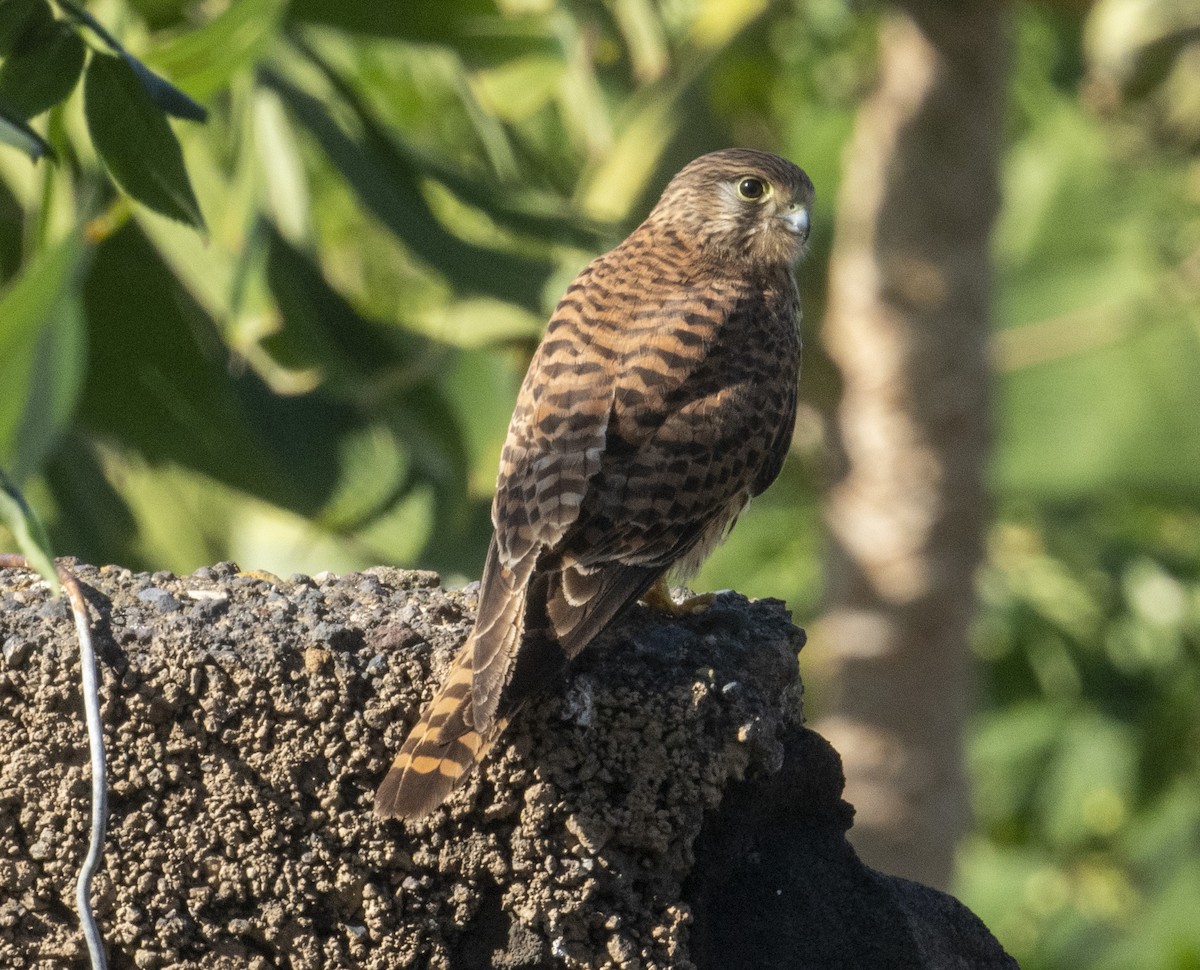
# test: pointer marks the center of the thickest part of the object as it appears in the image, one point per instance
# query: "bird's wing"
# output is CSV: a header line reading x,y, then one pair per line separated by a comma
x,y
781,441
555,440
644,424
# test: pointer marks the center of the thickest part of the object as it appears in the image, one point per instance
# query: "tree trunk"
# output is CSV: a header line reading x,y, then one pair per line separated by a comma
x,y
907,327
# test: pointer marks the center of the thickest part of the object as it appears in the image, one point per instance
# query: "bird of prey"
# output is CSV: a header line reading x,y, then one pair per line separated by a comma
x,y
661,400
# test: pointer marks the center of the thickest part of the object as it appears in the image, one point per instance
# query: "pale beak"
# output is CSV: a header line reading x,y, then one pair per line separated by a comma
x,y
796,219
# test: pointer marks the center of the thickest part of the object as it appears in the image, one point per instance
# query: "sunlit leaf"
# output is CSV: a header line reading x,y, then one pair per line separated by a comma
x,y
514,207
375,469
205,60
56,380
27,529
385,370
474,28
388,185
517,89
717,21
40,323
613,184
133,137
642,29
288,196
322,331
160,383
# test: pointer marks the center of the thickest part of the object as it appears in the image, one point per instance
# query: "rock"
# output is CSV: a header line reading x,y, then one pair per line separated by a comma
x,y
15,650
644,814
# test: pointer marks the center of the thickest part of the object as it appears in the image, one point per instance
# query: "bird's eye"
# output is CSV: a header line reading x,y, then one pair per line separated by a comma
x,y
751,189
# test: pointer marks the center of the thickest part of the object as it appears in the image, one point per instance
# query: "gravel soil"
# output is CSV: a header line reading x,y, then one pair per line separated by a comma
x,y
248,720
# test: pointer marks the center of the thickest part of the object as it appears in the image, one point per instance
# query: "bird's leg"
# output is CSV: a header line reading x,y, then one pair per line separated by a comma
x,y
658,597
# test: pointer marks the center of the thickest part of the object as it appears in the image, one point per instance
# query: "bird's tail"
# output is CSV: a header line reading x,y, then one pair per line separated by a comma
x,y
440,750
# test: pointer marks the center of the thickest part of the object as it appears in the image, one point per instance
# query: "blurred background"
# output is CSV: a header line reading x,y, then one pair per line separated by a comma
x,y
300,347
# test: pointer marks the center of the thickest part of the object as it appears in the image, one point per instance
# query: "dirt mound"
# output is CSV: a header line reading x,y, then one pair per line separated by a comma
x,y
249,719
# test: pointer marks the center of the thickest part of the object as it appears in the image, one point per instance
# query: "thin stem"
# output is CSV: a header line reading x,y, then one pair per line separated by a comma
x,y
95,728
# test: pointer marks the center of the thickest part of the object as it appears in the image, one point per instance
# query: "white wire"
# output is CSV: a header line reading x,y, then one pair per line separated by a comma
x,y
95,729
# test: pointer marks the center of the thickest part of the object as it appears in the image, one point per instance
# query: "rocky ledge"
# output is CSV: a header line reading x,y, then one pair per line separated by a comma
x,y
664,809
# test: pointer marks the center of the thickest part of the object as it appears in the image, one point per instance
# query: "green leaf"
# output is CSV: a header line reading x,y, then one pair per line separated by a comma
x,y
1087,788
15,132
161,91
1099,347
161,14
384,371
27,529
322,331
288,193
133,137
18,16
160,383
474,28
204,61
92,518
56,380
521,210
42,69
415,21
389,185
40,356
530,213
1123,416
12,234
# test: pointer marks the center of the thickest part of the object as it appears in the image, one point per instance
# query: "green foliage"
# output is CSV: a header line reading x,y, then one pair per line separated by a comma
x,y
133,137
393,203
1086,757
41,59
1100,313
41,350
15,132
42,65
27,529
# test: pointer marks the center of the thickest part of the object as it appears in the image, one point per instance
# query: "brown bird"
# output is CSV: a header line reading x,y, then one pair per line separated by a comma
x,y
660,401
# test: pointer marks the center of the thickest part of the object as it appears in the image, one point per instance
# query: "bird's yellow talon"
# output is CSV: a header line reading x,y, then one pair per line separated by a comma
x,y
696,604
658,597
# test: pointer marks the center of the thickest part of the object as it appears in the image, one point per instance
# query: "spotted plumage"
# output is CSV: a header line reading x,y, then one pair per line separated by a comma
x,y
660,401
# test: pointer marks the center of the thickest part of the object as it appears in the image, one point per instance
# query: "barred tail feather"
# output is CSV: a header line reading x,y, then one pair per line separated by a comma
x,y
440,750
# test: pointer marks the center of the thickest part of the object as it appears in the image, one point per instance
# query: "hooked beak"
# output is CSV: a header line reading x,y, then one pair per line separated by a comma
x,y
796,219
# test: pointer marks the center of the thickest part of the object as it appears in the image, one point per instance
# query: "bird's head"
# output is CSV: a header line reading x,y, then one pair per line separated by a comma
x,y
740,205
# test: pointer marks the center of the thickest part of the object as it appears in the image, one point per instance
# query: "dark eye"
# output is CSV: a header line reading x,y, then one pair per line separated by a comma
x,y
751,189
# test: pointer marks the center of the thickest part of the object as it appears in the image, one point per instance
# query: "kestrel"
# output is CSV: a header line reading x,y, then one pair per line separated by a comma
x,y
660,401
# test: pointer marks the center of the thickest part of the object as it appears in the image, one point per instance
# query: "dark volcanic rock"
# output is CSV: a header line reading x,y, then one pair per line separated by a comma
x,y
620,823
